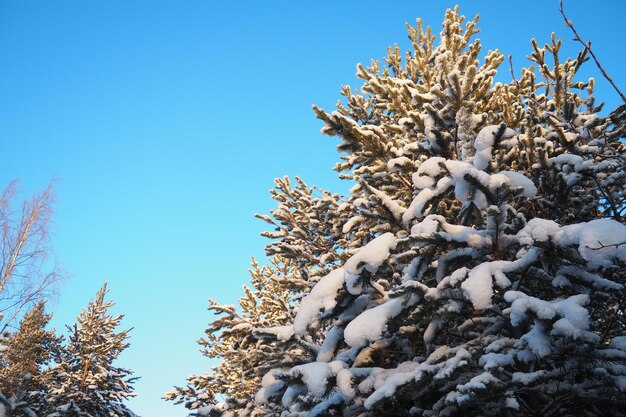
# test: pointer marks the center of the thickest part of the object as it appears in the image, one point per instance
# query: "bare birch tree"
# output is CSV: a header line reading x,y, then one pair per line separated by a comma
x,y
27,274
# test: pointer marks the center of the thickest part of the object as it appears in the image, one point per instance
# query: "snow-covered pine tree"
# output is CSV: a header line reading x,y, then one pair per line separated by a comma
x,y
478,265
490,279
257,336
85,381
26,351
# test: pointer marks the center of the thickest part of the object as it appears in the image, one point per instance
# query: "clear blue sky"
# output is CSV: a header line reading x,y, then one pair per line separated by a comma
x,y
166,122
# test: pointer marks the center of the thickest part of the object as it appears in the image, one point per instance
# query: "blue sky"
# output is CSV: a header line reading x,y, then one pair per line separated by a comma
x,y
164,124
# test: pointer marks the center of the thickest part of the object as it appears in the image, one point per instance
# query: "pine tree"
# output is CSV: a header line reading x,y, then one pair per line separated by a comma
x,y
27,351
85,382
490,281
479,269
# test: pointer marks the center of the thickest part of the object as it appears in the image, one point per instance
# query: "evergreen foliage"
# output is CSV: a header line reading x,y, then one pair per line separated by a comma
x,y
42,374
230,337
27,351
476,268
85,381
18,404
258,336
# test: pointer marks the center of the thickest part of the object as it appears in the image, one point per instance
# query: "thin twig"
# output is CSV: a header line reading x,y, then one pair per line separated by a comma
x,y
587,46
515,82
602,246
607,197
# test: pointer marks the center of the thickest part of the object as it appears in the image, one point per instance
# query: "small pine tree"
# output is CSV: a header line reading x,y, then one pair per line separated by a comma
x,y
27,351
85,381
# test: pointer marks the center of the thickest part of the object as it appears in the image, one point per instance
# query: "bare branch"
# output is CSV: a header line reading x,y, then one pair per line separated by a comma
x,y
515,82
602,246
587,46
26,274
